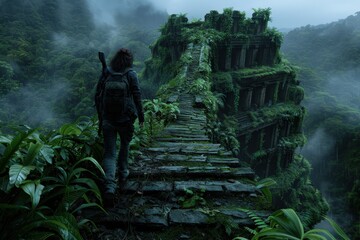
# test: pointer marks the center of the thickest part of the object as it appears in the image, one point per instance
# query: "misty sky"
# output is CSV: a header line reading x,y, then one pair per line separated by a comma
x,y
285,13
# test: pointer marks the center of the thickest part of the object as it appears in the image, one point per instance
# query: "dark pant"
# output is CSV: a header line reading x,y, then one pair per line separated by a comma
x,y
110,131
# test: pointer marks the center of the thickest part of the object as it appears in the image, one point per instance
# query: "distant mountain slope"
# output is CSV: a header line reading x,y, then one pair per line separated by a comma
x,y
48,56
329,59
329,47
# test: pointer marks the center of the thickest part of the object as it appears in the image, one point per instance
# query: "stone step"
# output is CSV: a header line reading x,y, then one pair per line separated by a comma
x,y
191,119
208,187
182,139
201,159
229,161
193,172
165,216
173,98
190,150
186,128
177,158
216,146
192,111
183,135
191,123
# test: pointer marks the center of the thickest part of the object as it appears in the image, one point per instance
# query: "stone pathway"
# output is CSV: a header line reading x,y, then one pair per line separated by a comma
x,y
183,158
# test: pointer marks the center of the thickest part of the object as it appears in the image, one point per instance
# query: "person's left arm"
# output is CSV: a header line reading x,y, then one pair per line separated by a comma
x,y
136,93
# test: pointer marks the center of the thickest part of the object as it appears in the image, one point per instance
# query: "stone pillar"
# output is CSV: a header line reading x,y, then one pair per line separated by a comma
x,y
236,22
288,129
265,54
272,53
275,97
256,95
243,57
248,60
283,91
276,134
236,52
269,97
254,56
228,58
262,96
248,98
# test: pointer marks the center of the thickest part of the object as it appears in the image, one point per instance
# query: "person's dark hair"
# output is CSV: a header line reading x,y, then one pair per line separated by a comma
x,y
122,59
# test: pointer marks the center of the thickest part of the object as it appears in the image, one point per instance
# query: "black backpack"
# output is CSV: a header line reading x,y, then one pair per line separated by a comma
x,y
116,95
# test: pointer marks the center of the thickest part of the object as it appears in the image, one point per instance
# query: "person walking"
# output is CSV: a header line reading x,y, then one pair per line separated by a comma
x,y
118,100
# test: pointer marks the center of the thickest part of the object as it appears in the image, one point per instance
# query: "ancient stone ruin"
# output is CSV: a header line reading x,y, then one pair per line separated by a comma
x,y
187,185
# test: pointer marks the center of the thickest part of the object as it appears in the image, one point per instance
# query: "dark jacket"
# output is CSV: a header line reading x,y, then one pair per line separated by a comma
x,y
135,95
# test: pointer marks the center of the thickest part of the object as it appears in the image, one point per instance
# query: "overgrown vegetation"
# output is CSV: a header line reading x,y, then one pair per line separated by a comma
x,y
285,224
47,180
48,60
331,88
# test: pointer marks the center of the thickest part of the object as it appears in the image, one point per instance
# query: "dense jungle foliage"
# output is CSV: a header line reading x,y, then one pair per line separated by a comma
x,y
328,57
48,70
48,57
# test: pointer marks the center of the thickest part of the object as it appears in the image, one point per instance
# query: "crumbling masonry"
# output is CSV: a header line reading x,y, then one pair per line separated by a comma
x,y
239,58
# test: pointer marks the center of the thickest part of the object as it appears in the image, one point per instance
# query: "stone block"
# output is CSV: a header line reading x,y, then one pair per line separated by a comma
x,y
208,186
132,186
157,186
173,98
234,162
187,216
199,102
152,217
172,169
238,187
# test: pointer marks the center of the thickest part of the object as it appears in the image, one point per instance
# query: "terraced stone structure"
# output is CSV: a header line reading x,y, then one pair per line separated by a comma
x,y
186,185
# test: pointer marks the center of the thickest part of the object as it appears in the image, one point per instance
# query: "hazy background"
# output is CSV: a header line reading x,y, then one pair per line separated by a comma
x,y
285,13
49,66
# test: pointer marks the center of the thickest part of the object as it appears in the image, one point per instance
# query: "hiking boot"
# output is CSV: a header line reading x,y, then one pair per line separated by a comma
x,y
108,199
122,183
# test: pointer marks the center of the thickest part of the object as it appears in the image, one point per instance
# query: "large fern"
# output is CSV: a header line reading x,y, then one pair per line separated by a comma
x,y
285,224
46,178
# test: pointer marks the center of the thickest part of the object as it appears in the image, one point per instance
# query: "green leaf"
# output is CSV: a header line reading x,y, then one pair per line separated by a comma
x,y
48,153
274,233
70,129
337,228
4,184
64,154
11,206
4,139
40,235
71,230
70,196
313,235
88,205
18,173
93,161
289,221
90,184
266,182
33,151
65,226
191,202
13,147
34,190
